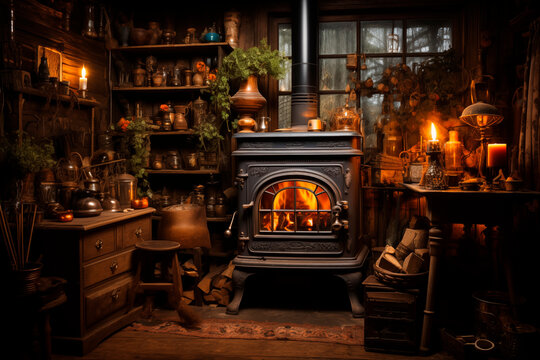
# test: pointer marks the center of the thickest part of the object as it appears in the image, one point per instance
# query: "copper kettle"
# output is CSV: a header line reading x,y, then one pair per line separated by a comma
x,y
186,224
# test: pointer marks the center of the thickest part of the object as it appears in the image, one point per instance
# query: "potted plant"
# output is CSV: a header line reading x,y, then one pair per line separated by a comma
x,y
209,141
246,66
23,159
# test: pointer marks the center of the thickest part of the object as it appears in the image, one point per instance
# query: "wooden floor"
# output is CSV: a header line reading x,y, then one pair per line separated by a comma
x,y
125,345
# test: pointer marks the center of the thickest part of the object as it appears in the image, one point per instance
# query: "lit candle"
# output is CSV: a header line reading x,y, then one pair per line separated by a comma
x,y
433,144
496,155
83,81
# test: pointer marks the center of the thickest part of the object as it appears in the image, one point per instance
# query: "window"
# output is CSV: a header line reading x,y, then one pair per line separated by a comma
x,y
378,44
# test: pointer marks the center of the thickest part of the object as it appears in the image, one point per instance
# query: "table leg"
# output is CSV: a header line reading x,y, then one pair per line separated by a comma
x,y
435,249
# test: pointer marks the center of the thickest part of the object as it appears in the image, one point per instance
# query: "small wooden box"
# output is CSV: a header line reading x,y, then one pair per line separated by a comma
x,y
393,317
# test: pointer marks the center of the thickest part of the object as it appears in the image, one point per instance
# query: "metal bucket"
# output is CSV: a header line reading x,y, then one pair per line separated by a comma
x,y
492,314
25,281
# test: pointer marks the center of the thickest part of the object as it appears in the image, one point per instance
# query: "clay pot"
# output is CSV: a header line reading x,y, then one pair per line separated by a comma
x,y
186,224
157,79
247,102
155,32
198,79
139,76
139,36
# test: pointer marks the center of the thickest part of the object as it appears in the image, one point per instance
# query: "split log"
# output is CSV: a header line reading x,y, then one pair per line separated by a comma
x,y
412,264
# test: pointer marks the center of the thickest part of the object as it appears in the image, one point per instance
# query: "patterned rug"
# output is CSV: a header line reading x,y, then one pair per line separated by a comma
x,y
257,330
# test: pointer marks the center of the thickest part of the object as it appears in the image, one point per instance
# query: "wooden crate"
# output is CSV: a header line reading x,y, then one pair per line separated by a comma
x,y
393,317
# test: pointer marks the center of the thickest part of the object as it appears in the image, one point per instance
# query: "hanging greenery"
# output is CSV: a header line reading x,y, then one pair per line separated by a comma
x,y
137,139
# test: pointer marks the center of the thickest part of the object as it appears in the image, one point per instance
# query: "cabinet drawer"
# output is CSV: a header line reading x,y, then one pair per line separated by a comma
x,y
104,269
107,299
99,242
136,231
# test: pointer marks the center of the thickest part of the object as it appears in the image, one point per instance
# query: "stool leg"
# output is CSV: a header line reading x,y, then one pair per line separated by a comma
x,y
177,280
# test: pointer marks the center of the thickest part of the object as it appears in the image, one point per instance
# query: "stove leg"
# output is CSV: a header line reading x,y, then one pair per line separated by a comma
x,y
352,280
239,280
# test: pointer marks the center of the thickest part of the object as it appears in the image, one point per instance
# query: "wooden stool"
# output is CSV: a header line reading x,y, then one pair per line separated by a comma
x,y
164,253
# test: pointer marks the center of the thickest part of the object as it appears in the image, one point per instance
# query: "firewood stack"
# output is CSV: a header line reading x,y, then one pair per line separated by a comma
x,y
411,255
216,286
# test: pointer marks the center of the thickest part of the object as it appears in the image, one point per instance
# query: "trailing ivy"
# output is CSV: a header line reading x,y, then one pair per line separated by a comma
x,y
136,132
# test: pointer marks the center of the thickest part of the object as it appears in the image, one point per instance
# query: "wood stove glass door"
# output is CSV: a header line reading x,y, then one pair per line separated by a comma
x,y
298,206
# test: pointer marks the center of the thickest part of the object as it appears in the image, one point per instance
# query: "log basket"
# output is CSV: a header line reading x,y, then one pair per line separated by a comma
x,y
404,281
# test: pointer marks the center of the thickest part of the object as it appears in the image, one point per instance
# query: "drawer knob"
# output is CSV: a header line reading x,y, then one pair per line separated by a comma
x,y
138,232
99,244
115,294
114,266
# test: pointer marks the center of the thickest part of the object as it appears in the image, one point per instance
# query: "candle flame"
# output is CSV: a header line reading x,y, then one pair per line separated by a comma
x,y
433,132
83,72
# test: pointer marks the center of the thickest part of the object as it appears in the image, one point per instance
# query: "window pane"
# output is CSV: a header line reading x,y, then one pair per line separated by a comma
x,y
376,67
375,36
285,39
337,38
284,120
328,103
428,36
285,84
415,61
371,109
333,74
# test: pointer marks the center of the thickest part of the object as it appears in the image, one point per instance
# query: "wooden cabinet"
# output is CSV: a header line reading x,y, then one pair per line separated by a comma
x,y
95,255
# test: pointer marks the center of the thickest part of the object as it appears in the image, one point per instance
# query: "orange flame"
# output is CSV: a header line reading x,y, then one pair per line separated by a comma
x,y
433,132
83,72
294,196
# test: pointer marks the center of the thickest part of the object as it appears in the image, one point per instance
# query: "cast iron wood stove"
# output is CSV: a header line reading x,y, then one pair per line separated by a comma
x,y
299,207
299,192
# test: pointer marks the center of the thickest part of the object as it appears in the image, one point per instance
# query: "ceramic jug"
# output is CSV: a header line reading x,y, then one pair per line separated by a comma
x,y
180,120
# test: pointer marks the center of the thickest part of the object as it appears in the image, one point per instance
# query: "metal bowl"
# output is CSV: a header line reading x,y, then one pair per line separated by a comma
x,y
87,206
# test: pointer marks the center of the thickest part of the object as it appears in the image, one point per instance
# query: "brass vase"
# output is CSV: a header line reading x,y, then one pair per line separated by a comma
x,y
247,102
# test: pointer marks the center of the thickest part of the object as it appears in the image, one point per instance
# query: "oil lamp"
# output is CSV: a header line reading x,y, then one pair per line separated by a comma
x,y
481,116
434,177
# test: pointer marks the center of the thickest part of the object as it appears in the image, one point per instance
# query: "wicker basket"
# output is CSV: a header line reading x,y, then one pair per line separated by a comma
x,y
404,281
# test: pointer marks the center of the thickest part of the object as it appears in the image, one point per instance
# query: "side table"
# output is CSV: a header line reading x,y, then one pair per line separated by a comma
x,y
454,206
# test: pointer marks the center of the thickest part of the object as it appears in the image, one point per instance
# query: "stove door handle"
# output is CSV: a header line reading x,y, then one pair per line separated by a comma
x,y
248,206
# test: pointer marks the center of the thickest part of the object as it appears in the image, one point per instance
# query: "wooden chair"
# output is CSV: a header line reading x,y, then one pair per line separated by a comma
x,y
161,252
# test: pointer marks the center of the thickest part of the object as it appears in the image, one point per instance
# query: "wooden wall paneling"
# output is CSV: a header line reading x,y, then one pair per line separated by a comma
x,y
37,24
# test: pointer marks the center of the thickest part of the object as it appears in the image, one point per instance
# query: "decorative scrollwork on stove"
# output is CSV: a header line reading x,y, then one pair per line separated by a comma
x,y
258,171
295,246
333,171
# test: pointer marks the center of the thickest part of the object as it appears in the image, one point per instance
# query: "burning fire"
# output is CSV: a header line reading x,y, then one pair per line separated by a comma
x,y
433,132
295,207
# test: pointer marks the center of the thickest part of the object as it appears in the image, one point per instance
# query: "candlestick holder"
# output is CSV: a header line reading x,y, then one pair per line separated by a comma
x,y
434,177
83,93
